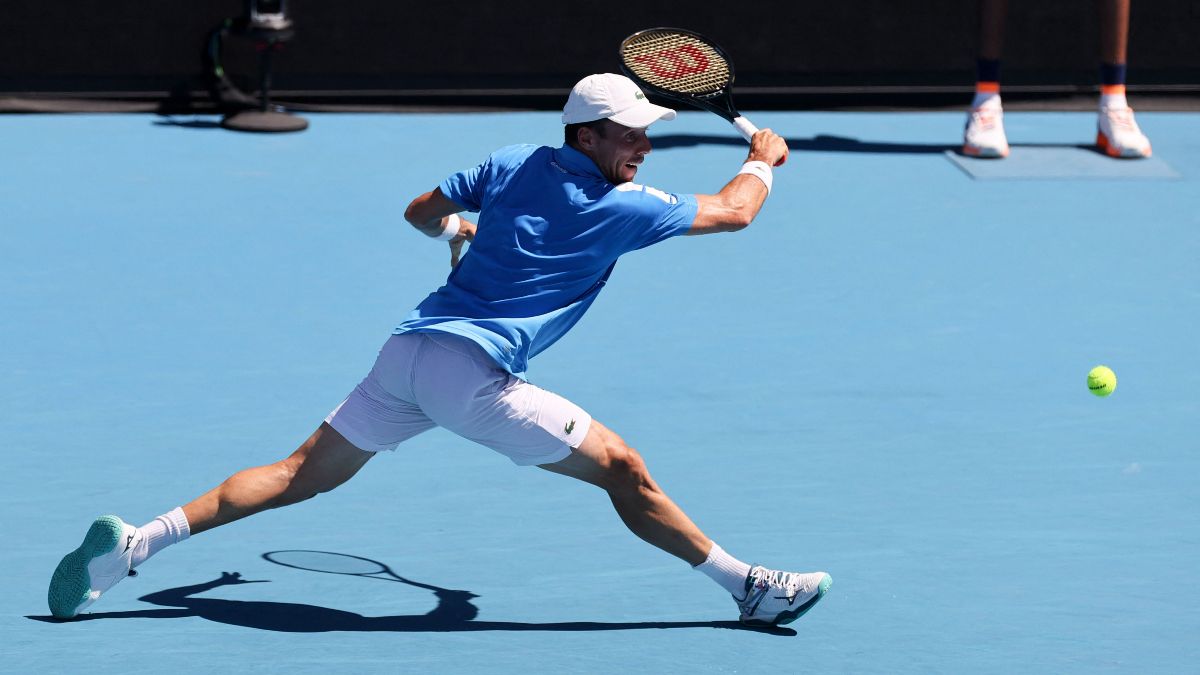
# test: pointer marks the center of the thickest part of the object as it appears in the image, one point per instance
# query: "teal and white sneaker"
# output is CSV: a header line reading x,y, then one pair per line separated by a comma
x,y
774,598
97,565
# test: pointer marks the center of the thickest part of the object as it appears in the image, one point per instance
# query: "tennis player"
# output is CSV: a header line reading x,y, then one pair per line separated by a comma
x,y
552,223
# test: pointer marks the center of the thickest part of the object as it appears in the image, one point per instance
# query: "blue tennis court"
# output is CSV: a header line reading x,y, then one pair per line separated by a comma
x,y
883,378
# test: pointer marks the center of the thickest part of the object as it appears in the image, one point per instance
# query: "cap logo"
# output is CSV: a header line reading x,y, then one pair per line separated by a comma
x,y
613,97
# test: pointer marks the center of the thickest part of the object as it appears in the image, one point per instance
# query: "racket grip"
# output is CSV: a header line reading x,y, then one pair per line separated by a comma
x,y
745,126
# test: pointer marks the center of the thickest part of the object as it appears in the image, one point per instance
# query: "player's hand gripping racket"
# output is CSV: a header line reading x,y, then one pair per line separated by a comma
x,y
686,67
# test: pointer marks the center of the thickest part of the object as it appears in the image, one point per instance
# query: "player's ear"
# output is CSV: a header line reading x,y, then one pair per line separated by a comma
x,y
585,138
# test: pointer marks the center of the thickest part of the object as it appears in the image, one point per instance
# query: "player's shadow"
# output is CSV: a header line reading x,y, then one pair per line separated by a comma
x,y
454,613
829,143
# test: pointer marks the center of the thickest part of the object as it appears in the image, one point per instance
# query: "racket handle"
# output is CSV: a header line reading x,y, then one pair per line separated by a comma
x,y
745,126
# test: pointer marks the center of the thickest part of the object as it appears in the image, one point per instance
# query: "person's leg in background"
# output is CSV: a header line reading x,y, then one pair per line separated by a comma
x,y
1117,133
984,133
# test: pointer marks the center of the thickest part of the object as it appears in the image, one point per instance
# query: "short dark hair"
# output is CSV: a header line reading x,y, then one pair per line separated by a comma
x,y
571,132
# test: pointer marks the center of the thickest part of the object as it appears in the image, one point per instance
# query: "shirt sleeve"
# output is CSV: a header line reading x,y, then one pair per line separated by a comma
x,y
472,187
465,188
656,215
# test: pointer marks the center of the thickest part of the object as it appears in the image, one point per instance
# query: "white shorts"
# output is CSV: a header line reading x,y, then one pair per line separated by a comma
x,y
423,380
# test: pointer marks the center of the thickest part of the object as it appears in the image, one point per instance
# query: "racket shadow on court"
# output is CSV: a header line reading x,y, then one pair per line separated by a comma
x,y
454,612
830,143
819,143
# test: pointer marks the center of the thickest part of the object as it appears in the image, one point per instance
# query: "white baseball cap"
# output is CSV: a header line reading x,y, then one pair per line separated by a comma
x,y
614,97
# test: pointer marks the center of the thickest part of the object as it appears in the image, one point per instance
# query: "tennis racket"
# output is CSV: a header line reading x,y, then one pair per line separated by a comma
x,y
685,67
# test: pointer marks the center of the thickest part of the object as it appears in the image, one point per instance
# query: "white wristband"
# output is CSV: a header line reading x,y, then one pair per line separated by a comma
x,y
452,224
760,170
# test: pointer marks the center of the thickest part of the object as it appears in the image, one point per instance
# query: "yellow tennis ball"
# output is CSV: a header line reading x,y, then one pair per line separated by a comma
x,y
1102,381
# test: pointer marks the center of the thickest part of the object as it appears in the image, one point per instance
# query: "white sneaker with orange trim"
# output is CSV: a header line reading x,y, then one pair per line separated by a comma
x,y
1118,134
984,133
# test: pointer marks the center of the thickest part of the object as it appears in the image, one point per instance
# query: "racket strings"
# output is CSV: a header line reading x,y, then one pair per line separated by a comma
x,y
676,62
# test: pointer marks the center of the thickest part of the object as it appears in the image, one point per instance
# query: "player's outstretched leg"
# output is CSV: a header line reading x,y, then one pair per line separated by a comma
x,y
764,597
323,462
112,548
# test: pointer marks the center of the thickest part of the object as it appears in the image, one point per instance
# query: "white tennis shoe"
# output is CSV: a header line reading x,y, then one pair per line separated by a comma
x,y
984,133
774,598
1118,134
102,560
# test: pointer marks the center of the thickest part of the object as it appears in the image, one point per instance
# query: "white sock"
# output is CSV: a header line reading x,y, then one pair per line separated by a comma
x,y
726,570
169,528
1113,101
989,99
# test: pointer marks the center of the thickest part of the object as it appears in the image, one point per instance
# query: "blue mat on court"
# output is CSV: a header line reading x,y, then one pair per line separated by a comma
x,y
1061,162
883,377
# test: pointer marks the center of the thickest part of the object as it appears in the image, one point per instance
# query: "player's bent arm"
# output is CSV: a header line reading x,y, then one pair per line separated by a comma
x,y
732,208
430,212
740,200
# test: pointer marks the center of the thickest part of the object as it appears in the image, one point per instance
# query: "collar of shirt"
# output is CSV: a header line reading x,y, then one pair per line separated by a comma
x,y
575,162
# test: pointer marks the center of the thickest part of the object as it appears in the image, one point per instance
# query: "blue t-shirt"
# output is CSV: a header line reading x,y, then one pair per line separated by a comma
x,y
550,230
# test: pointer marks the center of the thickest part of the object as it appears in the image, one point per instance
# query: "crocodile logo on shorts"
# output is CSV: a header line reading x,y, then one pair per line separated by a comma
x,y
570,427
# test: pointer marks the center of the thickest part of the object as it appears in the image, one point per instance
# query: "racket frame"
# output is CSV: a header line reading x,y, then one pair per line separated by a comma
x,y
719,102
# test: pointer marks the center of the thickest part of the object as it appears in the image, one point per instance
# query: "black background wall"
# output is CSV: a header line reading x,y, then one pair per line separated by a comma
x,y
473,50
